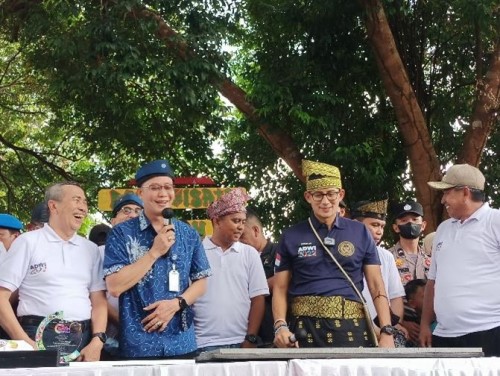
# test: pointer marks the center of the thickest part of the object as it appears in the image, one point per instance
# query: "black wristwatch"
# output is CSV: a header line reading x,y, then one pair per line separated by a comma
x,y
101,335
388,329
182,302
252,338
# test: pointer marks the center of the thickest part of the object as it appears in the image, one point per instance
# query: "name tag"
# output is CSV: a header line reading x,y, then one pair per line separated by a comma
x,y
173,280
329,241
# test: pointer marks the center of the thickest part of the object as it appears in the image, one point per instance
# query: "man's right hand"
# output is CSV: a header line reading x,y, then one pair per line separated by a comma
x,y
282,339
163,241
425,336
413,330
32,343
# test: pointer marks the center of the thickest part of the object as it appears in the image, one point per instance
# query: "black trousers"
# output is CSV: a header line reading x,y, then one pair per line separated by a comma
x,y
30,326
488,340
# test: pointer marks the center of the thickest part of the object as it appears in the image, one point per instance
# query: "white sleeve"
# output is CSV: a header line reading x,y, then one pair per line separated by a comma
x,y
15,264
97,283
257,282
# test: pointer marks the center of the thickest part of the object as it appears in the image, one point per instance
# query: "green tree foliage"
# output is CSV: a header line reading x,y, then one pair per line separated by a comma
x,y
112,93
309,69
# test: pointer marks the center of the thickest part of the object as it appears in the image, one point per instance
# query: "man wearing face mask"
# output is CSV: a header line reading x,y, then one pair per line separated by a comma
x,y
411,260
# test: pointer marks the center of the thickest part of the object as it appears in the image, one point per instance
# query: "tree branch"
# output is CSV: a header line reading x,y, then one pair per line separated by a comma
x,y
281,142
37,156
485,113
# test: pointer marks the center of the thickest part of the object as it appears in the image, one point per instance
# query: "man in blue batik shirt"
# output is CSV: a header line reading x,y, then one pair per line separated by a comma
x,y
158,270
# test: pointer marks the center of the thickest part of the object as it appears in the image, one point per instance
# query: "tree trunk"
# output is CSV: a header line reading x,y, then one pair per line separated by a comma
x,y
281,142
485,113
424,163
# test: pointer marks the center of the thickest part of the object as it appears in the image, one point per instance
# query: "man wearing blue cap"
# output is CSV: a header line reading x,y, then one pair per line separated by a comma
x,y
126,207
158,267
10,229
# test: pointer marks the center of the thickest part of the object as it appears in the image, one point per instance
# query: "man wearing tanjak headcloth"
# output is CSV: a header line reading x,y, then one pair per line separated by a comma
x,y
325,307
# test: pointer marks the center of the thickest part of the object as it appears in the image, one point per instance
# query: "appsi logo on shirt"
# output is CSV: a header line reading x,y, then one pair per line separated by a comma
x,y
438,246
38,268
306,250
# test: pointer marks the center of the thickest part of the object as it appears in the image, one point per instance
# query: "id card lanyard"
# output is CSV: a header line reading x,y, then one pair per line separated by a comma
x,y
173,280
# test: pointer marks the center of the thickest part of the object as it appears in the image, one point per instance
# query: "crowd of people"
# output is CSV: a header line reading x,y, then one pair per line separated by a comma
x,y
149,287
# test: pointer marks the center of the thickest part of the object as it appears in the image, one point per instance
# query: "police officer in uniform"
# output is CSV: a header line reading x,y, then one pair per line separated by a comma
x,y
411,260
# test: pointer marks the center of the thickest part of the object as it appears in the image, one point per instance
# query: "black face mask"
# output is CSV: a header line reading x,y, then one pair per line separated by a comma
x,y
410,230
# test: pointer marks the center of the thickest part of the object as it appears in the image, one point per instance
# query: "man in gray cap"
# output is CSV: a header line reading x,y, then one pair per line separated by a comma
x,y
462,290
158,267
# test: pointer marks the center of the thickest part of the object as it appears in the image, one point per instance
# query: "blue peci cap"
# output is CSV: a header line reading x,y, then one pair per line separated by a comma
x,y
125,199
150,170
10,222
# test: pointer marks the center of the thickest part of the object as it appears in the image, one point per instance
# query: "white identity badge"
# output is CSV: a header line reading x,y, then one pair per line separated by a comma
x,y
329,241
173,280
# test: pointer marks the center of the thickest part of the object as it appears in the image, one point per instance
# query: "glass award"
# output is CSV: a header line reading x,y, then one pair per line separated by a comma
x,y
55,333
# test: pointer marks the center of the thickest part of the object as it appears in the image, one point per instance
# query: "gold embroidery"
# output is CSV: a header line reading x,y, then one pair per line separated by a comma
x,y
346,249
323,175
331,307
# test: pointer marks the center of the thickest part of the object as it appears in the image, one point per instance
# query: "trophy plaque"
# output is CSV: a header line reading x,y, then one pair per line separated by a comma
x,y
55,333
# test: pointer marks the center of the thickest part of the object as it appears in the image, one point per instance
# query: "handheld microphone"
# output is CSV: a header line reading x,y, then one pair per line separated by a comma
x,y
167,213
299,335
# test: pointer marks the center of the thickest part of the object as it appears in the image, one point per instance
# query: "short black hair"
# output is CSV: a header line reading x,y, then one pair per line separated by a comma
x,y
251,213
477,195
412,286
99,233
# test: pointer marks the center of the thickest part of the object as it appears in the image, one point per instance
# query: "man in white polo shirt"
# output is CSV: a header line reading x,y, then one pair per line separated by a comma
x,y
462,288
373,215
231,311
56,270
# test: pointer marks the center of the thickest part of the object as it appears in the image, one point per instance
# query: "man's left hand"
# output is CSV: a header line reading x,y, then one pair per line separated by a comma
x,y
91,352
402,329
386,341
162,312
248,345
